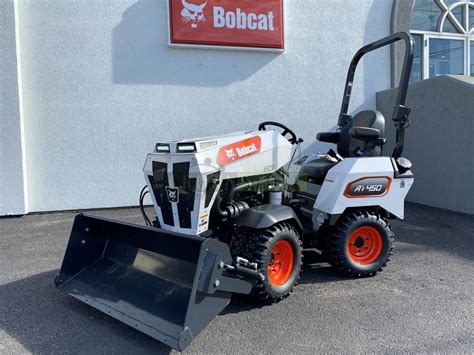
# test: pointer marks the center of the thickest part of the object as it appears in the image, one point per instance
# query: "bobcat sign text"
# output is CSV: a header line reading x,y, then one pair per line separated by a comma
x,y
227,23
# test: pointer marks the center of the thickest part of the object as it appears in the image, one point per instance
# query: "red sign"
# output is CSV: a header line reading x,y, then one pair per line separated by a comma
x,y
239,150
239,23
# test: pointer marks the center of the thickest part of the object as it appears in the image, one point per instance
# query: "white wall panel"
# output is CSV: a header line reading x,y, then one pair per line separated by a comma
x,y
101,86
12,186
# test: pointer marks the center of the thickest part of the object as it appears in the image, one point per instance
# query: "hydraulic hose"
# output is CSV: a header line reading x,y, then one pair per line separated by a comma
x,y
232,210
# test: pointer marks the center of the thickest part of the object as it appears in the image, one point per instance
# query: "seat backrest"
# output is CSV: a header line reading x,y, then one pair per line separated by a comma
x,y
349,146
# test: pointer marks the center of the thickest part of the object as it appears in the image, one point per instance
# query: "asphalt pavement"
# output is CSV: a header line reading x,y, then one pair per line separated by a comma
x,y
422,302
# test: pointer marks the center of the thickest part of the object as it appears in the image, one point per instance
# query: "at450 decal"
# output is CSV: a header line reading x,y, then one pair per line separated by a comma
x,y
376,186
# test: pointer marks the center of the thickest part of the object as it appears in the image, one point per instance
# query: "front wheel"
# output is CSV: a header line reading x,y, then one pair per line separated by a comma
x,y
361,244
278,253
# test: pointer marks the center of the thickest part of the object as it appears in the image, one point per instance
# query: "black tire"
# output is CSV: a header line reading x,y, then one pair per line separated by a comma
x,y
256,246
350,259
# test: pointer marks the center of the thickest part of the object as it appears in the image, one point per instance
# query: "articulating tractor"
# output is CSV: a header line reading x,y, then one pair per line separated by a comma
x,y
233,214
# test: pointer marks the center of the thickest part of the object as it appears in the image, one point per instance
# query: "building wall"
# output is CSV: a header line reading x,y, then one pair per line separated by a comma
x,y
439,140
12,187
101,87
400,22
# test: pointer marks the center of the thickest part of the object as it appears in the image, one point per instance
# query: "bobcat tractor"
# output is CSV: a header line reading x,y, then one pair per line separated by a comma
x,y
233,214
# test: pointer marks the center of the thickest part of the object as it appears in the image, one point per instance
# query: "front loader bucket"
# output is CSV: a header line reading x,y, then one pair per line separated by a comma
x,y
167,285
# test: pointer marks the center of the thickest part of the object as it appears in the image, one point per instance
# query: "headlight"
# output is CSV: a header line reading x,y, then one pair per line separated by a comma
x,y
186,147
162,148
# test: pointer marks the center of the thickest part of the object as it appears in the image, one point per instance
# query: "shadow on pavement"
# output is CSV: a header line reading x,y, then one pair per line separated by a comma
x,y
436,229
43,320
315,270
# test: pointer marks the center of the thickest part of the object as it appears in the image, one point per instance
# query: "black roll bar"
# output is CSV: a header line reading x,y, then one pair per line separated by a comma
x,y
400,112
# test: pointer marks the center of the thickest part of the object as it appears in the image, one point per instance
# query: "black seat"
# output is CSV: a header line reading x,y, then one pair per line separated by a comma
x,y
350,145
362,136
315,171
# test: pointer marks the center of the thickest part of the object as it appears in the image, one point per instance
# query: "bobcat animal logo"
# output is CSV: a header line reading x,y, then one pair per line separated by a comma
x,y
172,193
229,153
193,13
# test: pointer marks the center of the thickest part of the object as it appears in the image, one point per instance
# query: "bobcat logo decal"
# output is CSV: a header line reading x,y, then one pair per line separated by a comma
x,y
229,153
193,13
239,150
173,194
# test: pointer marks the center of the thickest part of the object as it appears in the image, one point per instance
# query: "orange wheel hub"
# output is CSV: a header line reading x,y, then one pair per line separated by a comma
x,y
364,245
281,263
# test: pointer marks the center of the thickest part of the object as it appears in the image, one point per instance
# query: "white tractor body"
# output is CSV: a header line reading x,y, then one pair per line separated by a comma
x,y
185,176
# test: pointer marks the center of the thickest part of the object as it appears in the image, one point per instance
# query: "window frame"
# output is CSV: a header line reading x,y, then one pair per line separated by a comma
x,y
466,36
425,49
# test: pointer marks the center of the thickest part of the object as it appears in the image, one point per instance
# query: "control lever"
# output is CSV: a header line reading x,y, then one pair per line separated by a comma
x,y
334,155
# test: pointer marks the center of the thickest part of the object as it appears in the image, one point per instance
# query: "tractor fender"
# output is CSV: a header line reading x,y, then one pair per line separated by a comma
x,y
264,216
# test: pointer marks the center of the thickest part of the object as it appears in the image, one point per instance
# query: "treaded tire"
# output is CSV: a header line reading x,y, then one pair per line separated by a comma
x,y
256,246
344,259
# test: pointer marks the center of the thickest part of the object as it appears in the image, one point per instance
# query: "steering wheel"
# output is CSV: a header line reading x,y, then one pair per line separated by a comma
x,y
293,139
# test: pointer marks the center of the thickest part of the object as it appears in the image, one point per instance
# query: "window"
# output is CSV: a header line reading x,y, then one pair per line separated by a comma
x,y
417,69
444,35
425,16
446,57
472,58
471,18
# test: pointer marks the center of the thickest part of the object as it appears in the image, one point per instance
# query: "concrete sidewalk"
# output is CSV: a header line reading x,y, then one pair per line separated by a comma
x,y
422,302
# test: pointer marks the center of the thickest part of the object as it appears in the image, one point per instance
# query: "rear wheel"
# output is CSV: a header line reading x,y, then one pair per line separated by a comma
x,y
278,253
361,244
